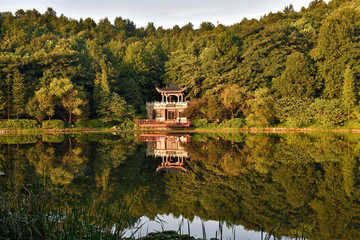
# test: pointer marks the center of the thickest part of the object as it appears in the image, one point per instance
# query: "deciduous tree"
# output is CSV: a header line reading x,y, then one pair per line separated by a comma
x,y
348,97
234,99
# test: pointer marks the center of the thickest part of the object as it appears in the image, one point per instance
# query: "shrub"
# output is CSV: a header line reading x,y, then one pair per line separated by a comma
x,y
127,124
199,123
233,123
53,124
93,123
326,112
293,111
19,124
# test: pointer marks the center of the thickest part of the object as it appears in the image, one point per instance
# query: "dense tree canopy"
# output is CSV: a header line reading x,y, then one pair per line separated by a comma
x,y
293,54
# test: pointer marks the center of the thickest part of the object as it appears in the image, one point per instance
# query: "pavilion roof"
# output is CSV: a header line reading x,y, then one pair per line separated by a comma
x,y
171,88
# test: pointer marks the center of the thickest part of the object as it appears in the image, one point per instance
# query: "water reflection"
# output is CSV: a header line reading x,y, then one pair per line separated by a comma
x,y
168,147
308,182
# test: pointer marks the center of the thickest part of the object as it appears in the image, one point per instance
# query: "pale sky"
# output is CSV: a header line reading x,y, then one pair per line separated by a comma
x,y
165,13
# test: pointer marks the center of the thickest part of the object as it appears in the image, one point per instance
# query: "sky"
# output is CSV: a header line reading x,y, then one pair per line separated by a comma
x,y
165,13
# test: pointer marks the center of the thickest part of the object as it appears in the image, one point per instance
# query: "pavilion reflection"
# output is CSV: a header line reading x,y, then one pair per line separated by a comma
x,y
169,147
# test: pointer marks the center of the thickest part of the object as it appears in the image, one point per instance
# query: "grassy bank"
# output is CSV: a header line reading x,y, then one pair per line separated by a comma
x,y
58,126
239,125
27,126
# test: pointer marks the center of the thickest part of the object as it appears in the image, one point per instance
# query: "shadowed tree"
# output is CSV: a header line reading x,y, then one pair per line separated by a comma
x,y
335,35
348,92
18,92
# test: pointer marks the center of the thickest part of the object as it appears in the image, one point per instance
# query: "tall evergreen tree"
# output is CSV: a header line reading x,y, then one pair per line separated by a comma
x,y
335,35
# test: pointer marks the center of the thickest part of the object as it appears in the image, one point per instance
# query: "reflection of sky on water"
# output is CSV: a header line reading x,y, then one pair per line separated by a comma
x,y
169,148
169,222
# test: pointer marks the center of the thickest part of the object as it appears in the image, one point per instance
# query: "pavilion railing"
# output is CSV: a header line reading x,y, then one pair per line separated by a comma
x,y
165,122
167,104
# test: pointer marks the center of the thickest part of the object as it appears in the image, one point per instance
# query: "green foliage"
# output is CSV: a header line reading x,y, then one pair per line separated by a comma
x,y
45,101
69,69
19,124
293,112
233,123
85,184
92,123
53,124
66,94
31,214
298,78
18,93
234,99
348,92
326,112
199,123
33,109
126,124
335,35
296,112
196,108
261,108
115,109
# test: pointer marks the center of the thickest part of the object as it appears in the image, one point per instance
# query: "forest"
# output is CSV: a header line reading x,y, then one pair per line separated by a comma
x,y
287,68
241,179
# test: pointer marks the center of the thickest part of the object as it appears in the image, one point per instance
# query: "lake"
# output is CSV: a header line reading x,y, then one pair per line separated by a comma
x,y
228,186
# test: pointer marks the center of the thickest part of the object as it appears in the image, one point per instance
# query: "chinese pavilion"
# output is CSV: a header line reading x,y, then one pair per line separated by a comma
x,y
168,112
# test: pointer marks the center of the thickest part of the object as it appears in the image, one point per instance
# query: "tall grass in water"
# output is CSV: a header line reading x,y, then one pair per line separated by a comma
x,y
41,212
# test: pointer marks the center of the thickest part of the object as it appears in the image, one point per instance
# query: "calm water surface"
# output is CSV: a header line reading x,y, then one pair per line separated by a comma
x,y
224,185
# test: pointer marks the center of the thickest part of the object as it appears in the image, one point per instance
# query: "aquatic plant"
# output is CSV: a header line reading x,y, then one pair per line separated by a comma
x,y
43,212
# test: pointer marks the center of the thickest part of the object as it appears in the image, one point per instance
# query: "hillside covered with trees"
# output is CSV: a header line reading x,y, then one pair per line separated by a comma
x,y
291,68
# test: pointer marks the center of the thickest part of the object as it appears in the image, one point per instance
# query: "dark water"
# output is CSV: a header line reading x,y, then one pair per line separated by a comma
x,y
300,185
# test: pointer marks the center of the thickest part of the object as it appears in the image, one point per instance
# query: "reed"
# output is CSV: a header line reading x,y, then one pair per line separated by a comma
x,y
42,212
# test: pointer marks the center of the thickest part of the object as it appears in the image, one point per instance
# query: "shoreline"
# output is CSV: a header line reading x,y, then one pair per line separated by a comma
x,y
196,130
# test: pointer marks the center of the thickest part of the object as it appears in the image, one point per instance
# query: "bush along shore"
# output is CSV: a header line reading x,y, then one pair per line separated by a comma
x,y
198,125
57,125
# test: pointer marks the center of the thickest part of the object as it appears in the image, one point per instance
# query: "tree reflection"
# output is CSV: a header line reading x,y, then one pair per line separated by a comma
x,y
247,179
